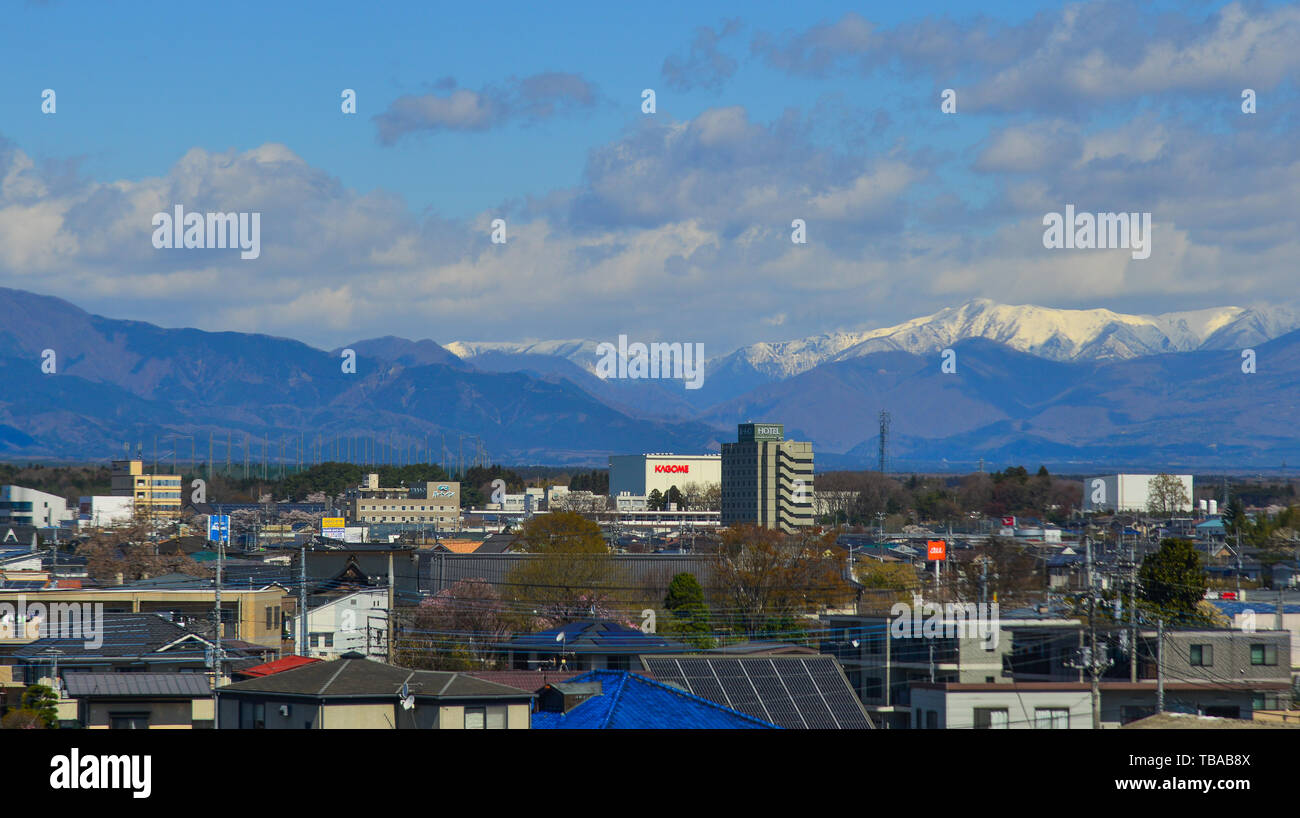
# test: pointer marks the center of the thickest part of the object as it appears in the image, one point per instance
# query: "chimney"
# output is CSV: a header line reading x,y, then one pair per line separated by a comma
x,y
564,696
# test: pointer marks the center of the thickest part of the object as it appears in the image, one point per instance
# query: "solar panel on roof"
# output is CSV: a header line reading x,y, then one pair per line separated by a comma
x,y
793,692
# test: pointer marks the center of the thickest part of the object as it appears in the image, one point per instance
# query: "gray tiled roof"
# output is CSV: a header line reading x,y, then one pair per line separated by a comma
x,y
364,678
124,634
154,685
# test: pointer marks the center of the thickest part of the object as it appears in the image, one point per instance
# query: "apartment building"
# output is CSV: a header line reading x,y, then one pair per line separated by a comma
x,y
154,494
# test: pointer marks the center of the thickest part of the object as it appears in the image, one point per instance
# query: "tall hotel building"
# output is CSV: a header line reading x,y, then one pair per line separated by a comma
x,y
759,474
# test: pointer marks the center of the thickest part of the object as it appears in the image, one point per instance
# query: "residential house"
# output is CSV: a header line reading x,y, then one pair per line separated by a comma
x,y
593,644
620,700
794,691
141,701
354,692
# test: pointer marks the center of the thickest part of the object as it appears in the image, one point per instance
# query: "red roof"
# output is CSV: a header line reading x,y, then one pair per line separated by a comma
x,y
278,666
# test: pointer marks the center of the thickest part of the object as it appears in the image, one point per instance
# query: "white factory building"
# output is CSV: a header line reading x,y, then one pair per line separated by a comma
x,y
23,506
642,474
1126,492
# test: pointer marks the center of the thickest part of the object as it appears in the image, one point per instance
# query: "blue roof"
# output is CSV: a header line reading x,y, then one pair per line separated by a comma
x,y
632,702
1232,607
595,636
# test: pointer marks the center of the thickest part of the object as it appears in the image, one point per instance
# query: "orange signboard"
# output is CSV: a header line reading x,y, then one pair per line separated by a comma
x,y
938,550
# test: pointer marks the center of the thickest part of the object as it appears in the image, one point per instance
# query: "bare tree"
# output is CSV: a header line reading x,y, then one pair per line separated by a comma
x,y
1166,494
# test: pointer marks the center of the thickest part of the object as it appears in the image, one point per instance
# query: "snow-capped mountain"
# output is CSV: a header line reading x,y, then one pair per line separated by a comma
x,y
1055,334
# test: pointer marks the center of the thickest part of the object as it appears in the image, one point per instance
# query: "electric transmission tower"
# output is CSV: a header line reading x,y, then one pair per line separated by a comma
x,y
884,437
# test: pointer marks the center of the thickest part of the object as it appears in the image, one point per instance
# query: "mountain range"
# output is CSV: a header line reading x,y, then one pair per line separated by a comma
x,y
1085,388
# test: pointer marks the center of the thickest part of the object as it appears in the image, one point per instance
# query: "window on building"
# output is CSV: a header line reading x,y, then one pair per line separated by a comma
x,y
496,717
874,688
992,718
129,721
1052,718
475,718
1265,701
1263,654
270,616
329,640
1202,655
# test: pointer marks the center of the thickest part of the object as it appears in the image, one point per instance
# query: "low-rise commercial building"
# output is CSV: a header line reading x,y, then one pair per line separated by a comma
x,y
435,504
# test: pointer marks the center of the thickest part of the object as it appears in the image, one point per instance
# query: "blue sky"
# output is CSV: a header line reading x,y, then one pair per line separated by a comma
x,y
674,225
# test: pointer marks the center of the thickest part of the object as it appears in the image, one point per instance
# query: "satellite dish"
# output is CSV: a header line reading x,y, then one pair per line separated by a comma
x,y
408,703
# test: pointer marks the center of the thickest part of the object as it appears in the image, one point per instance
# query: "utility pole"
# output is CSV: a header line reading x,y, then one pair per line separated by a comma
x,y
217,652
302,599
1132,615
1094,657
1160,665
1238,564
391,609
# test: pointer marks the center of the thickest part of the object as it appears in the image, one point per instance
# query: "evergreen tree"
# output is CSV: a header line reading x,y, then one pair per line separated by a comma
x,y
688,617
1173,581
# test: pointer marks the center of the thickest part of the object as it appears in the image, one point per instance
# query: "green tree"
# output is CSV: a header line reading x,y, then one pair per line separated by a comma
x,y
1173,581
571,575
655,502
674,496
688,616
39,709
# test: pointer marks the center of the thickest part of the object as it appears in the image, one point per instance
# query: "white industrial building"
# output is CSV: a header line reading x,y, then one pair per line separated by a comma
x,y
643,474
102,511
20,506
1127,492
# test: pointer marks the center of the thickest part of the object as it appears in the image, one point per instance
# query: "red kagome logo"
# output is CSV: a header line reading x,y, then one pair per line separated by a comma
x,y
672,469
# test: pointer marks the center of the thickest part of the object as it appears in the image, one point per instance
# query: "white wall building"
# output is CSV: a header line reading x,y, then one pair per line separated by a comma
x,y
20,506
1126,492
642,474
356,622
101,511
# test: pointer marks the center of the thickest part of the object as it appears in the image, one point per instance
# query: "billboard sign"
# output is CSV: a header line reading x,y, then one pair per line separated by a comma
x,y
332,527
936,550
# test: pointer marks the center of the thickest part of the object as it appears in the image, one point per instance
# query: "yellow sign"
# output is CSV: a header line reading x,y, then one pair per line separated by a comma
x,y
331,522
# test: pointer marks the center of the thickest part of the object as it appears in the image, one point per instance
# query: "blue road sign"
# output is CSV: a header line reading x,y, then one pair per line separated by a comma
x,y
219,528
